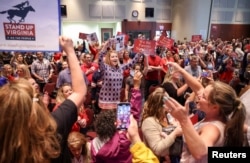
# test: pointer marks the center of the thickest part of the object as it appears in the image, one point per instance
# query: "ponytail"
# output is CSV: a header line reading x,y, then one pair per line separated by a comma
x,y
234,135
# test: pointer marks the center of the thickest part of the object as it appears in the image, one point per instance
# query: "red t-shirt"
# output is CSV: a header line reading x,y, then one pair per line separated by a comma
x,y
153,61
57,56
86,67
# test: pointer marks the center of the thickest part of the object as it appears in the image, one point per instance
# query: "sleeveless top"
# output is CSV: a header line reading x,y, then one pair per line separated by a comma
x,y
186,156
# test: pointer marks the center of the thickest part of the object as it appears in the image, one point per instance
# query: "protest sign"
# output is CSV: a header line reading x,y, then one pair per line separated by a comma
x,y
119,42
196,38
83,35
126,37
29,25
165,42
92,37
146,46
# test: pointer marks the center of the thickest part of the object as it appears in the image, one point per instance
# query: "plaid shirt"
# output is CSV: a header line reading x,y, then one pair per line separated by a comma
x,y
42,69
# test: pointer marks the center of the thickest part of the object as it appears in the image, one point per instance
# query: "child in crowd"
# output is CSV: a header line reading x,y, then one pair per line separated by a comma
x,y
79,148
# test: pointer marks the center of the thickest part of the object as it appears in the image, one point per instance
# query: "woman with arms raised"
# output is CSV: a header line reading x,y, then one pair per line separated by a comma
x,y
223,123
112,74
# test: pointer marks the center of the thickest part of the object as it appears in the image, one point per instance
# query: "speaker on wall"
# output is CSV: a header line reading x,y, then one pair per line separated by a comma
x,y
149,12
63,10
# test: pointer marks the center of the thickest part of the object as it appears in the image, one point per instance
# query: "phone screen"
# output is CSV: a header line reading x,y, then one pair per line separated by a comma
x,y
204,74
123,113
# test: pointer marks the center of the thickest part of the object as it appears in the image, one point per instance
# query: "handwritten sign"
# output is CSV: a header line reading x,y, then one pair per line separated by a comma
x,y
147,46
165,42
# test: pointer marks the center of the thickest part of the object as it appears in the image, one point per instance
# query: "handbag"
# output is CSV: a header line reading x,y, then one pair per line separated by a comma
x,y
176,148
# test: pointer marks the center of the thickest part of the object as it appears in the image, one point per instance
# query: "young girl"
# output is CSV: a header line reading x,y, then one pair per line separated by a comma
x,y
79,148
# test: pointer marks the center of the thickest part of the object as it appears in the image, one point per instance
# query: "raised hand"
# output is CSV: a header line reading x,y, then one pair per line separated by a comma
x,y
133,134
137,79
176,110
66,44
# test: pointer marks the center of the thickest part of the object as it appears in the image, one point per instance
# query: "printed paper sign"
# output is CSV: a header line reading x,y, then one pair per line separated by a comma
x,y
166,42
92,38
83,35
119,42
126,37
196,38
147,46
29,25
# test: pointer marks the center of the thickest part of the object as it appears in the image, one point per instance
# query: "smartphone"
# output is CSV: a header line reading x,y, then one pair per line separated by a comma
x,y
168,129
123,114
204,74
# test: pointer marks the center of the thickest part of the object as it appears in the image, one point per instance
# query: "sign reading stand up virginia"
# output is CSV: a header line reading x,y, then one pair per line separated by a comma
x,y
32,25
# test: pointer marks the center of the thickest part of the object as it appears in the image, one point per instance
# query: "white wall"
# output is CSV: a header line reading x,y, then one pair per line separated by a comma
x,y
190,17
115,10
88,16
72,29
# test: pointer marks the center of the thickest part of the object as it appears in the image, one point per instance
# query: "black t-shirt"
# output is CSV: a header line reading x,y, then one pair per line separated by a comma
x,y
65,116
172,91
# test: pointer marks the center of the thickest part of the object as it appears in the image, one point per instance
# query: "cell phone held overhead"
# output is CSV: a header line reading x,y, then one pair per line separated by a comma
x,y
123,114
204,74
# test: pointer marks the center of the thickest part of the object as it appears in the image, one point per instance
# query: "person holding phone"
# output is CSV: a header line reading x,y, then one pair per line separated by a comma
x,y
225,114
111,144
111,134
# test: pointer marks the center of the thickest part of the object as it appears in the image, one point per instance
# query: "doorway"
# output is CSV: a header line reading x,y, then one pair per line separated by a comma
x,y
106,33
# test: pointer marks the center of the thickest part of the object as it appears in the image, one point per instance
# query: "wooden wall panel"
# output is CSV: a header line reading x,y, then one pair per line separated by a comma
x,y
229,31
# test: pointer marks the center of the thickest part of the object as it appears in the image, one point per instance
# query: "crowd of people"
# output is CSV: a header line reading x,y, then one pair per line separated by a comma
x,y
167,88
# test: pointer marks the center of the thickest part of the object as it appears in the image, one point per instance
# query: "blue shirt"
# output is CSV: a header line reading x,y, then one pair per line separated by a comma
x,y
65,77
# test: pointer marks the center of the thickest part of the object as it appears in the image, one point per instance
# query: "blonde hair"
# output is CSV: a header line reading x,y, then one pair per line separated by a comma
x,y
153,107
78,140
60,97
107,57
169,78
27,132
25,69
5,67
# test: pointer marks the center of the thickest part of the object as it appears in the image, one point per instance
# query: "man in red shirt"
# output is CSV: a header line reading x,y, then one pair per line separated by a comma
x,y
153,76
88,67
